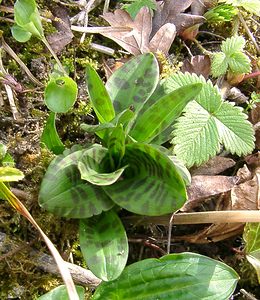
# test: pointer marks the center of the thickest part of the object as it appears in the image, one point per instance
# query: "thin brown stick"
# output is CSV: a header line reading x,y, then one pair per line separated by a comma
x,y
227,216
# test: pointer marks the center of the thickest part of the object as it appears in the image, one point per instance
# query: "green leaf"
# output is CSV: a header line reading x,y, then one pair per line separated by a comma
x,y
60,293
10,174
99,97
239,63
163,112
131,85
135,5
20,34
220,13
104,245
251,6
90,167
207,122
219,64
50,137
60,94
182,276
26,15
116,145
234,44
252,239
235,132
64,193
151,184
96,128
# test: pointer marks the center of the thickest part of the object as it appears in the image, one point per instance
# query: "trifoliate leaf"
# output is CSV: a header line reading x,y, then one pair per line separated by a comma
x,y
208,122
220,13
233,44
239,63
219,64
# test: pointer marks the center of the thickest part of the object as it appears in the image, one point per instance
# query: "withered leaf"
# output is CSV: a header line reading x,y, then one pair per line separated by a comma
x,y
214,166
137,39
199,64
203,187
58,40
172,11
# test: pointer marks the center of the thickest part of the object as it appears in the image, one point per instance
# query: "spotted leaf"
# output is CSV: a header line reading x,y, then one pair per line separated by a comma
x,y
90,167
151,185
133,83
104,245
64,193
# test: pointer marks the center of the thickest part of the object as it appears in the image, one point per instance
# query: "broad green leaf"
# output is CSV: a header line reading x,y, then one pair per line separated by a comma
x,y
60,94
116,145
252,239
99,97
239,63
64,193
50,136
131,85
219,64
20,34
60,293
90,167
236,133
233,45
162,113
134,7
10,174
251,6
26,15
104,245
207,122
183,276
183,171
151,184
124,117
3,151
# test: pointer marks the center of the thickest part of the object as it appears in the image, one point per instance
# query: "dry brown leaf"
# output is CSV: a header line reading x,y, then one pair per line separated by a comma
x,y
214,166
137,39
58,40
172,11
203,187
199,64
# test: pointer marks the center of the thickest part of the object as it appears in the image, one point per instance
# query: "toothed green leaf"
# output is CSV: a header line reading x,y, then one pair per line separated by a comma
x,y
239,63
233,44
219,64
104,245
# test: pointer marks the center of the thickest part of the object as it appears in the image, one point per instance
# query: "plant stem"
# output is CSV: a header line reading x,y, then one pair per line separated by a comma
x,y
54,55
227,216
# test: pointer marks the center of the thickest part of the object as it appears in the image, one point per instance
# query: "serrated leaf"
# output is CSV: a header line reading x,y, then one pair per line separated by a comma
x,y
134,7
104,245
10,174
182,276
60,94
196,137
64,193
27,16
207,122
234,44
99,97
90,167
239,63
235,132
251,6
132,84
60,292
151,185
252,239
219,64
50,136
163,113
20,34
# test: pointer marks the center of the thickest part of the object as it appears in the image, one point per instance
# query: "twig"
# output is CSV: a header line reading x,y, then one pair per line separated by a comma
x,y
248,295
203,50
102,49
46,262
106,6
10,96
107,29
85,24
226,216
249,33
